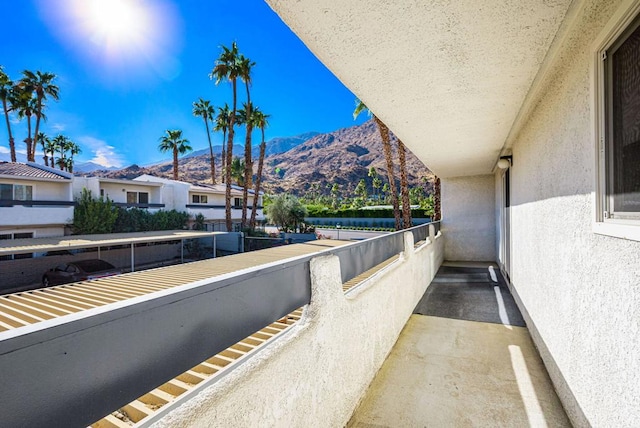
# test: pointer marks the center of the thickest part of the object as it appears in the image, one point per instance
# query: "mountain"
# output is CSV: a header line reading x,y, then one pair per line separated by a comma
x,y
274,146
343,156
86,167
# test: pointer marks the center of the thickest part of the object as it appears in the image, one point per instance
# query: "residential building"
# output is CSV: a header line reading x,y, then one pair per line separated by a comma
x,y
35,201
208,200
123,193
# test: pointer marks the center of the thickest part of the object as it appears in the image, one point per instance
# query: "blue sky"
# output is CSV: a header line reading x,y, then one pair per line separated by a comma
x,y
125,77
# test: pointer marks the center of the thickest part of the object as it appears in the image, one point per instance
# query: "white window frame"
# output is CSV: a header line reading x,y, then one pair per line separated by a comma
x,y
13,191
200,196
613,30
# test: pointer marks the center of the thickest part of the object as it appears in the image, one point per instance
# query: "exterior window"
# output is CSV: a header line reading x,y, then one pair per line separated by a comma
x,y
16,236
102,193
621,151
237,202
17,192
199,199
137,198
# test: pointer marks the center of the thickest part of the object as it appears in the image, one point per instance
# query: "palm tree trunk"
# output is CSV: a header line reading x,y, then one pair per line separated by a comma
x,y
35,141
404,186
28,140
227,195
248,170
175,163
223,159
12,143
256,192
44,154
386,146
211,158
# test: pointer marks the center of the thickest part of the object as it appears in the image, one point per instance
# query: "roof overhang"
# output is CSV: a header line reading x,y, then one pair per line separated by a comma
x,y
132,182
448,78
41,245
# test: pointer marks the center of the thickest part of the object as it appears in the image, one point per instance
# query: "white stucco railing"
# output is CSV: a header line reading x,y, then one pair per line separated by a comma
x,y
318,371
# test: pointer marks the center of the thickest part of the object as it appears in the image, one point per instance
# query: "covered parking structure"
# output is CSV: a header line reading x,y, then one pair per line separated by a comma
x,y
17,273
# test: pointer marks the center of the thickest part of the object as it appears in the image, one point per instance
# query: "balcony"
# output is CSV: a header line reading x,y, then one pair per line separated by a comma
x,y
356,300
36,213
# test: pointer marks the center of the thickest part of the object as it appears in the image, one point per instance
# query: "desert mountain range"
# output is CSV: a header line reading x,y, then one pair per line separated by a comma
x,y
293,164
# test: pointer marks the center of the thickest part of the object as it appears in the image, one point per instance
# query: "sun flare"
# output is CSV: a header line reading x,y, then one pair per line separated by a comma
x,y
118,22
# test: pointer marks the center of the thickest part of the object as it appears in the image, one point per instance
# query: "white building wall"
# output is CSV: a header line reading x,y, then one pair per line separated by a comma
x,y
468,218
579,291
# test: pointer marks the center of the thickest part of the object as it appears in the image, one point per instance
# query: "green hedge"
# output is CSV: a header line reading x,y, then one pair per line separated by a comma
x,y
322,211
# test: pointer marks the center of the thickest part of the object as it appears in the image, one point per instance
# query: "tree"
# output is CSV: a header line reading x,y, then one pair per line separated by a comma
x,y
74,149
261,122
237,170
335,191
361,189
222,124
41,85
60,144
26,105
404,186
7,95
385,191
377,184
287,212
227,67
245,67
173,142
204,109
93,215
386,146
45,142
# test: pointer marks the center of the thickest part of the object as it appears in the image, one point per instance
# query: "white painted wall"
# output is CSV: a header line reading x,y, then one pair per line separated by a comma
x,y
39,216
579,291
318,372
468,218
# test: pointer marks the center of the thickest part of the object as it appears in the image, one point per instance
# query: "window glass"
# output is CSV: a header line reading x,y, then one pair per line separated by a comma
x,y
195,199
203,199
22,192
143,197
132,198
623,122
23,235
6,191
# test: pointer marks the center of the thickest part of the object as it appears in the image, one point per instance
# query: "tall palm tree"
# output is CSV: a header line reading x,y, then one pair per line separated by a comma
x,y
74,149
246,65
404,185
173,142
204,109
261,122
227,67
45,142
41,84
49,148
7,95
26,106
386,146
237,170
222,124
246,117
61,144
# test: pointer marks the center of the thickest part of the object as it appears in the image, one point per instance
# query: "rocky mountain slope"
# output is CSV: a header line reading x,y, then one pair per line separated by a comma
x,y
343,156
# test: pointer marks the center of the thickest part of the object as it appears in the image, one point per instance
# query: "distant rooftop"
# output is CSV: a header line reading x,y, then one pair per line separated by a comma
x,y
32,170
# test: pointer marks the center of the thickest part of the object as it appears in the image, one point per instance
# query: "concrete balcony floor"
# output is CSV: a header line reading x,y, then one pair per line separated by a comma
x,y
464,358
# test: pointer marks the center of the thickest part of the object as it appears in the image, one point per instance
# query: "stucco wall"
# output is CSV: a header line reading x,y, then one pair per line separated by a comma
x,y
580,291
317,373
468,218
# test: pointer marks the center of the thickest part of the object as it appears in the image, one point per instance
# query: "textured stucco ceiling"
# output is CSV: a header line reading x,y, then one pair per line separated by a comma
x,y
448,77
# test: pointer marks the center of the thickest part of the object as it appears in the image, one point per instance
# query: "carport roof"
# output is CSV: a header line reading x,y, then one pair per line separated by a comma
x,y
41,245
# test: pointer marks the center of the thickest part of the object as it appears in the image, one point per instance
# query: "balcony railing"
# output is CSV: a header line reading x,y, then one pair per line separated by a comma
x,y
137,205
76,369
12,202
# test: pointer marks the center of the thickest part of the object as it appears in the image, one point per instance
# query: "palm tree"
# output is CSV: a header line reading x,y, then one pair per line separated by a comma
x,y
205,110
61,144
237,170
386,146
222,124
261,122
49,148
404,185
246,65
7,95
26,106
40,84
74,149
227,67
45,142
173,142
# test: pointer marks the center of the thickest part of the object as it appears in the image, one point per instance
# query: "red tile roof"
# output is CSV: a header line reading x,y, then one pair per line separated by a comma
x,y
24,170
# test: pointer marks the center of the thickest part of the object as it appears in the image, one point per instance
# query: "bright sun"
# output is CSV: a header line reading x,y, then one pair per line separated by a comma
x,y
116,21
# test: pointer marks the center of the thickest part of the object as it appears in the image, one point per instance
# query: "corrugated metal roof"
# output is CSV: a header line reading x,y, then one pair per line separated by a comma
x,y
31,171
41,245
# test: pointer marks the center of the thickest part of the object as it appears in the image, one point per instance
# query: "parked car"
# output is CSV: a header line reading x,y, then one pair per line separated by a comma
x,y
81,270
